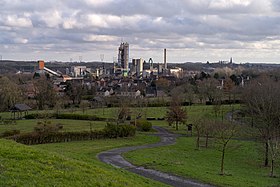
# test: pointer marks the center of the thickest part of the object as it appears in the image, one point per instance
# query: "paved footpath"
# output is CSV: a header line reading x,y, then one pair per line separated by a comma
x,y
115,158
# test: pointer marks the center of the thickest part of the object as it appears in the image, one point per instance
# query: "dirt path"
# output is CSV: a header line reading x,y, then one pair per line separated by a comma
x,y
115,158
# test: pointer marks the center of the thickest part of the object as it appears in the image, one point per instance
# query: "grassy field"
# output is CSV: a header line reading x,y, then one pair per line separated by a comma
x,y
159,112
66,164
243,165
79,125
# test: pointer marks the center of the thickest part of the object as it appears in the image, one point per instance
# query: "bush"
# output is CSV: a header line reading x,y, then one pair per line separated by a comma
x,y
143,125
113,131
151,118
51,136
49,128
31,116
65,116
10,133
78,117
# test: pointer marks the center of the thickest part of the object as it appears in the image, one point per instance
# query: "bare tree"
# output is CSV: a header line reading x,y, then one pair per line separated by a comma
x,y
122,113
9,93
176,113
274,149
209,88
262,101
44,93
198,126
223,133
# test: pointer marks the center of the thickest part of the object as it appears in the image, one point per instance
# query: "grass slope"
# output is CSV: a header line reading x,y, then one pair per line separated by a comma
x,y
243,165
21,165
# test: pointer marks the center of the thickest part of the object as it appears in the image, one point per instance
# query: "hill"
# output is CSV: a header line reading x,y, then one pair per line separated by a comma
x,y
22,165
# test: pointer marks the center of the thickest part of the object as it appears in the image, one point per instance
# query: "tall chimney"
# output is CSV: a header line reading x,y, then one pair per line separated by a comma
x,y
164,59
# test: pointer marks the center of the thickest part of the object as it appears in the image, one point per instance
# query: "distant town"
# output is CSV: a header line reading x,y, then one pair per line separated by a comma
x,y
131,77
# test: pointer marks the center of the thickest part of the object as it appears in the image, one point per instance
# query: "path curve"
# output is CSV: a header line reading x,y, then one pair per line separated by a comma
x,y
114,157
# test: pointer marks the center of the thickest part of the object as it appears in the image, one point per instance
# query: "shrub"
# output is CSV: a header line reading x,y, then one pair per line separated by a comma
x,y
10,133
78,117
143,125
47,128
31,116
113,131
151,118
50,136
65,116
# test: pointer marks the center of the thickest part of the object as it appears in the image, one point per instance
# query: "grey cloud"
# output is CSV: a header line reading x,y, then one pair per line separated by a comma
x,y
96,25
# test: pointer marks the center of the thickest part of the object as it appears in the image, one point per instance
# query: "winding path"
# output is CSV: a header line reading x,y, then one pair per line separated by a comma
x,y
114,157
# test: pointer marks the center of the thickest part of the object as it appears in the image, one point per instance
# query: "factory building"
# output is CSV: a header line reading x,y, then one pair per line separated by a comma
x,y
137,67
123,56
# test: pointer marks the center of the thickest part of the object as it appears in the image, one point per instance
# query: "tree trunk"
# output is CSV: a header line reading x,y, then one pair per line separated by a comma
x,y
206,140
272,168
266,155
223,159
197,140
176,125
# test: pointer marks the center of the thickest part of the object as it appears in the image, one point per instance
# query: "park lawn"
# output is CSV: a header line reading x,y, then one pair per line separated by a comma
x,y
23,165
243,165
68,125
193,111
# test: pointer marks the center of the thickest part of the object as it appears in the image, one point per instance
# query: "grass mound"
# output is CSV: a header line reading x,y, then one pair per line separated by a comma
x,y
22,165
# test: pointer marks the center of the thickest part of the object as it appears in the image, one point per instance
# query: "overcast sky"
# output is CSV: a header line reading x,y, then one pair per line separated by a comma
x,y
191,30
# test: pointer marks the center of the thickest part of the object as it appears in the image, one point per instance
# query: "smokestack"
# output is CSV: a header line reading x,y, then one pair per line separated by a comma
x,y
164,59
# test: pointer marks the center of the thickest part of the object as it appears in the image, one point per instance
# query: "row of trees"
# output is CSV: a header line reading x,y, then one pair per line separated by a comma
x,y
15,90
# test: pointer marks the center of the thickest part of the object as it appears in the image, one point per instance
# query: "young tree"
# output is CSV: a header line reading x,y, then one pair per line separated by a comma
x,y
274,149
208,130
122,113
199,124
84,105
223,133
176,113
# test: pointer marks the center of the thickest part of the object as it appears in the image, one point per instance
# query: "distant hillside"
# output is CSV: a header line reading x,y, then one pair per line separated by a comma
x,y
21,165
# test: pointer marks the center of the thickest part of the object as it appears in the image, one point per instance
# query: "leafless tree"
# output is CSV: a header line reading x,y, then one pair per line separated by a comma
x,y
176,113
122,113
223,133
209,88
262,101
9,93
44,93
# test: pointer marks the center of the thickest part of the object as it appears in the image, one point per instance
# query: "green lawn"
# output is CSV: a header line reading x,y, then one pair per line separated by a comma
x,y
243,166
66,164
157,112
